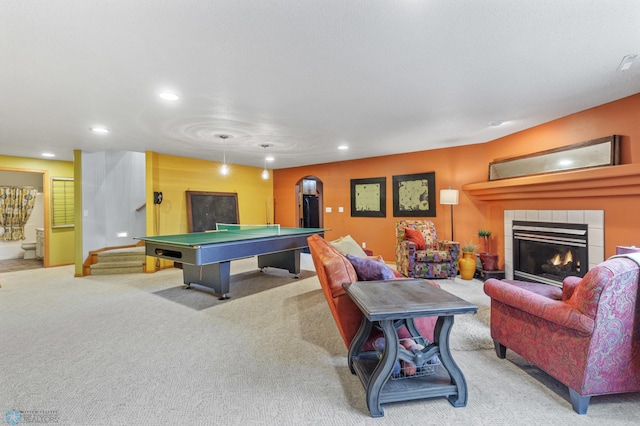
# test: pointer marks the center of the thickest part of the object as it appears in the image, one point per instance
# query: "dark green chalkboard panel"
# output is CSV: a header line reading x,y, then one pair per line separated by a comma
x,y
205,209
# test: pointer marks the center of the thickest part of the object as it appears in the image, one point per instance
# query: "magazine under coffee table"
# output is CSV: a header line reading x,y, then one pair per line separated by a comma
x,y
389,305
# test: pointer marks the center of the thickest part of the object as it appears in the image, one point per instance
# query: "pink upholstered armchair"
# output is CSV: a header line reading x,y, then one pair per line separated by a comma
x,y
586,335
432,259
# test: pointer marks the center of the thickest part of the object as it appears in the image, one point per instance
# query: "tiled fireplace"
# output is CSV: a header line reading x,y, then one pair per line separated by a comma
x,y
576,236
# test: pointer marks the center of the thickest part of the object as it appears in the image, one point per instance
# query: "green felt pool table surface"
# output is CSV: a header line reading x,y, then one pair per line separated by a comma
x,y
223,236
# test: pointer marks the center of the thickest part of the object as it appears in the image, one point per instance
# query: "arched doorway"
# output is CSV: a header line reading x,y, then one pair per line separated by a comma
x,y
309,206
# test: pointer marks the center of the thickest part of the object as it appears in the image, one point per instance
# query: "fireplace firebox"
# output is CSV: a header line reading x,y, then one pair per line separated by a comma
x,y
549,252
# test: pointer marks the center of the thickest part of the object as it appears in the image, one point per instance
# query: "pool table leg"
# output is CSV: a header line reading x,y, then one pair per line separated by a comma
x,y
289,260
215,276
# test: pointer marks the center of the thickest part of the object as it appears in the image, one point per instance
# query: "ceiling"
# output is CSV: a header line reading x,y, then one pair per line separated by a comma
x,y
302,76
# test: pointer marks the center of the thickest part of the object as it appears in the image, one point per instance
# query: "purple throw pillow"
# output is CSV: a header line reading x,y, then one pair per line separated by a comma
x,y
369,269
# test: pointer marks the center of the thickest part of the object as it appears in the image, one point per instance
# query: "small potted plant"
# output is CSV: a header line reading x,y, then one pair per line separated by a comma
x,y
469,247
489,260
467,263
485,240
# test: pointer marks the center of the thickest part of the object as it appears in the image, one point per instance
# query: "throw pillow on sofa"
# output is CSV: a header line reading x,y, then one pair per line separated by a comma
x,y
370,270
347,245
416,237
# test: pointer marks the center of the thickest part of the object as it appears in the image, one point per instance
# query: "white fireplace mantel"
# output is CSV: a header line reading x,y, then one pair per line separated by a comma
x,y
594,219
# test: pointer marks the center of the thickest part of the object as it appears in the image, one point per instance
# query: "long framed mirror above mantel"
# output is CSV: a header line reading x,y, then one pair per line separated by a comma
x,y
599,152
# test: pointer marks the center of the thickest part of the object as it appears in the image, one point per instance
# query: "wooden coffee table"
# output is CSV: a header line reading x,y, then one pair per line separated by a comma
x,y
389,305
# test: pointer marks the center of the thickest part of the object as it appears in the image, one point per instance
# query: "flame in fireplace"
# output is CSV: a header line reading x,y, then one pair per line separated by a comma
x,y
562,260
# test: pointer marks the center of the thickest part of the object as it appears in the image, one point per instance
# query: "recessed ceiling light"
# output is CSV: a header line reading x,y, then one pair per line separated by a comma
x,y
343,147
98,129
169,96
48,154
497,123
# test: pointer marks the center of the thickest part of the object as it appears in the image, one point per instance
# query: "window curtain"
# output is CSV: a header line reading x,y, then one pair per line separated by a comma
x,y
16,205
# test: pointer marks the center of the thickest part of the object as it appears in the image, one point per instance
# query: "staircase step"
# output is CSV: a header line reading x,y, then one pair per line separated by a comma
x,y
128,260
116,271
122,255
108,268
116,252
107,265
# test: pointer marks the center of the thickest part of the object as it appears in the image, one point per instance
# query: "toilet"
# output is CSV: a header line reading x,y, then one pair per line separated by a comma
x,y
29,250
32,228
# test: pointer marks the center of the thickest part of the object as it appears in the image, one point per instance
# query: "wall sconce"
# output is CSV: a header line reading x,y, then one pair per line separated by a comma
x,y
449,196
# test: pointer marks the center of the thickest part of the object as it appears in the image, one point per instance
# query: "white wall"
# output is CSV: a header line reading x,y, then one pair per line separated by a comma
x,y
113,186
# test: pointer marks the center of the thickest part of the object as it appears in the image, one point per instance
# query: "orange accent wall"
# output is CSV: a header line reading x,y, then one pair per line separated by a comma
x,y
462,166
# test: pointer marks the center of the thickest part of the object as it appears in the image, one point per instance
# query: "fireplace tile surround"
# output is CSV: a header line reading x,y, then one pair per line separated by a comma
x,y
594,219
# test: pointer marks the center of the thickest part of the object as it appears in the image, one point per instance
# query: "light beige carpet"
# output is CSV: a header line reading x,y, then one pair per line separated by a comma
x,y
138,349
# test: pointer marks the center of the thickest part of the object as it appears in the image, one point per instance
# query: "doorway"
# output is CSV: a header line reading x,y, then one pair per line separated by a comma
x,y
14,256
310,203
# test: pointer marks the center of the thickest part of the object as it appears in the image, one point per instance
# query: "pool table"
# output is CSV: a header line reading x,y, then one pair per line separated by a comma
x,y
206,256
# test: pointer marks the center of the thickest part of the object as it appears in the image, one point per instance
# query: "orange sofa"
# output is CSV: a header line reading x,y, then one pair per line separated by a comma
x,y
334,269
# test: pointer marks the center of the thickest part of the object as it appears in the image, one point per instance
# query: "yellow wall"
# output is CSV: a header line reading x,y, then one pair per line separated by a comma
x,y
173,176
59,242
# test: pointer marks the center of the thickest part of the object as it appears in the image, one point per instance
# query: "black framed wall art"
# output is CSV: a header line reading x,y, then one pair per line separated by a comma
x,y
414,195
369,197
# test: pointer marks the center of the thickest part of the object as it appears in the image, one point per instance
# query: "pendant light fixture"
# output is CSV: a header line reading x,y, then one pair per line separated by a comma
x,y
224,169
265,172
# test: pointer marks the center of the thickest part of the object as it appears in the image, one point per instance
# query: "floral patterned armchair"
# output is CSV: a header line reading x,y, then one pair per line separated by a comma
x,y
433,259
586,335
